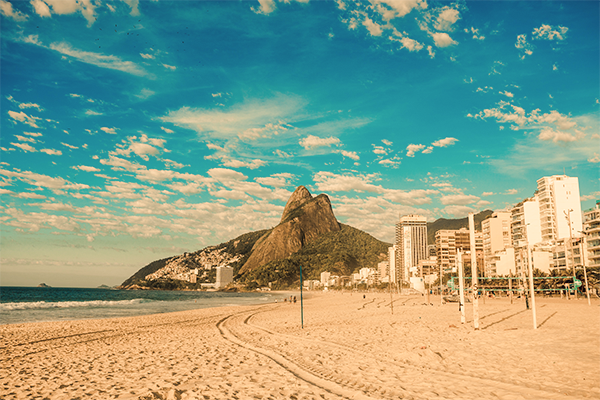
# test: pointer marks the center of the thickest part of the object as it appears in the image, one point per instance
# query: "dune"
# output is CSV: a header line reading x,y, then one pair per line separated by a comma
x,y
350,347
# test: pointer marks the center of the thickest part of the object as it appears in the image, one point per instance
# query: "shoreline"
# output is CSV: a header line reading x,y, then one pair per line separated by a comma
x,y
350,347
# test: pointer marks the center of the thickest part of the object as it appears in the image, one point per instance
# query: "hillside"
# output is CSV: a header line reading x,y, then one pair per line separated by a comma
x,y
443,223
341,253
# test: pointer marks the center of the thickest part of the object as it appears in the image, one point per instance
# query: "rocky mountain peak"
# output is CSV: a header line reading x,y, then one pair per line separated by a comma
x,y
300,196
304,219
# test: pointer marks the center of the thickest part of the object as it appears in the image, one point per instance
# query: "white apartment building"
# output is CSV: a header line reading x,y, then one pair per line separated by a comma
x,y
411,244
560,207
224,276
325,278
591,228
496,238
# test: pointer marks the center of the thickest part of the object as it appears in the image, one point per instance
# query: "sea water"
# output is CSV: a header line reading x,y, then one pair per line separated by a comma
x,y
37,304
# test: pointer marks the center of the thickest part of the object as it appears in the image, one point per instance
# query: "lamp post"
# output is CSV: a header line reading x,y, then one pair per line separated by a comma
x,y
583,251
531,286
568,217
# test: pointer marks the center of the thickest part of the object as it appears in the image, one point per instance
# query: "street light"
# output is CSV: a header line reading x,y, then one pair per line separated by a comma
x,y
582,255
568,217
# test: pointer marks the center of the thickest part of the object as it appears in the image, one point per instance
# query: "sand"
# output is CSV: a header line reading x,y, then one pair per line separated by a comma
x,y
350,348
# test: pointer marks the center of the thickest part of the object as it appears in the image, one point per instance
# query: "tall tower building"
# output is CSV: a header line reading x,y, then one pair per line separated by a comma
x,y
592,233
411,244
560,207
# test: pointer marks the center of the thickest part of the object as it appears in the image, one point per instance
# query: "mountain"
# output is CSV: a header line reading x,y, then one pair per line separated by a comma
x,y
304,219
308,234
443,223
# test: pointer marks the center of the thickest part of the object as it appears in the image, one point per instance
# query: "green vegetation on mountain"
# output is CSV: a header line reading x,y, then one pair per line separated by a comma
x,y
341,252
443,224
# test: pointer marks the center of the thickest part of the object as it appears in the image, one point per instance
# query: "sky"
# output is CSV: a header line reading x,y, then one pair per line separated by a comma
x,y
137,130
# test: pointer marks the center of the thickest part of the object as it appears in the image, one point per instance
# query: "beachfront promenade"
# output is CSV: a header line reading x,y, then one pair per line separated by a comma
x,y
351,347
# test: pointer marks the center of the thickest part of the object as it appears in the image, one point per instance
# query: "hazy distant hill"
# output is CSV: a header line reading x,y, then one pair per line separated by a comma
x,y
443,223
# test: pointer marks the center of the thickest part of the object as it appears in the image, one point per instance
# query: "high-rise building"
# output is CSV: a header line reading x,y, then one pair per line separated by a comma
x,y
591,228
496,238
525,230
224,276
447,241
560,207
411,244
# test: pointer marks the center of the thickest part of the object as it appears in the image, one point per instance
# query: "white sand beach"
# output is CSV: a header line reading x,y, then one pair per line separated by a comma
x,y
350,348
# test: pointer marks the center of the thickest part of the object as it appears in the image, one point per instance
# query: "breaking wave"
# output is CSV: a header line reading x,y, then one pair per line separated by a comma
x,y
38,305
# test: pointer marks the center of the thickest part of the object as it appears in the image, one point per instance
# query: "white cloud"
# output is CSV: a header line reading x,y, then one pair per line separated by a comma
x,y
524,47
92,112
25,139
449,141
7,10
25,147
458,199
35,134
88,57
24,118
276,180
311,142
547,32
282,154
387,142
389,163
171,67
512,191
111,131
446,19
379,150
44,181
373,27
458,211
144,94
85,168
51,152
349,154
266,7
559,136
69,146
507,93
167,130
411,149
147,56
591,196
44,8
442,39
595,159
330,182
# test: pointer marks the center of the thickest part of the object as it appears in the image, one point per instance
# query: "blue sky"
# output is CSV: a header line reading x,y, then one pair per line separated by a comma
x,y
136,130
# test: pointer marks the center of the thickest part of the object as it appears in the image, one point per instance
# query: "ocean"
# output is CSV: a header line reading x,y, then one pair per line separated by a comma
x,y
37,304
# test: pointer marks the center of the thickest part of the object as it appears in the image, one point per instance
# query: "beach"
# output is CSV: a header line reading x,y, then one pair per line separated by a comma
x,y
350,347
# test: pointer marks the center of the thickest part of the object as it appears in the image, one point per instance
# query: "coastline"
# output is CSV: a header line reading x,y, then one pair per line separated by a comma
x,y
350,347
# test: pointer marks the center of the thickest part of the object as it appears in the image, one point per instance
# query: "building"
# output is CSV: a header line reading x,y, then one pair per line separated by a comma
x,y
392,262
525,226
591,228
325,278
448,241
224,276
411,245
384,269
560,207
496,236
501,263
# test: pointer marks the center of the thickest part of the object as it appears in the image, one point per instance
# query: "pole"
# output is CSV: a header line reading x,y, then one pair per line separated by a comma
x,y
522,286
441,275
510,289
531,287
461,289
301,300
391,295
568,216
474,282
583,253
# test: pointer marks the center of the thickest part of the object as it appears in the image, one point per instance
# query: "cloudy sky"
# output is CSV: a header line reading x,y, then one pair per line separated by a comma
x,y
136,130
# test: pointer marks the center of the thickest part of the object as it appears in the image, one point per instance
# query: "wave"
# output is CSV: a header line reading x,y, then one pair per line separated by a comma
x,y
39,305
